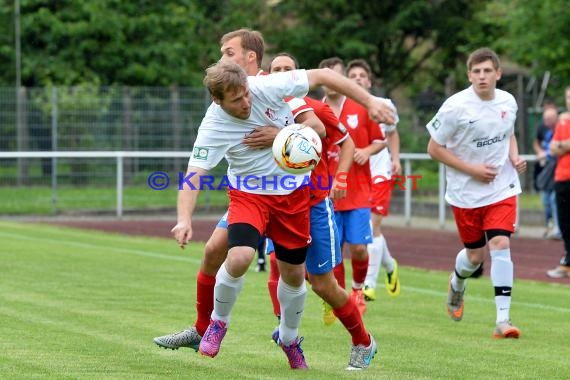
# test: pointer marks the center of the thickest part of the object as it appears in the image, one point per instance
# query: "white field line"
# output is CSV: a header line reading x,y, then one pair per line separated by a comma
x,y
105,248
440,294
162,256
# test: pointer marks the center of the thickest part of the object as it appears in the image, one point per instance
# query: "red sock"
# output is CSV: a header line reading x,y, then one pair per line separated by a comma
x,y
338,272
351,319
359,269
204,301
272,284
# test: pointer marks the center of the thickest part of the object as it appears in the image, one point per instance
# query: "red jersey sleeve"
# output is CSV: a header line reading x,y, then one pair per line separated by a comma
x,y
297,105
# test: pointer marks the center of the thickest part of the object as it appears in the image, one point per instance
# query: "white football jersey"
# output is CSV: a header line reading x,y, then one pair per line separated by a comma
x,y
220,135
381,162
477,131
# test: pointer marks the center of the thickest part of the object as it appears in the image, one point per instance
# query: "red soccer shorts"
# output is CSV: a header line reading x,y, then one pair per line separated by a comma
x,y
473,222
381,195
283,218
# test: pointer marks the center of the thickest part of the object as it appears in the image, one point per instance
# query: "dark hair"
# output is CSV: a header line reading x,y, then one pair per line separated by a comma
x,y
549,102
331,62
359,63
482,55
285,54
251,40
224,76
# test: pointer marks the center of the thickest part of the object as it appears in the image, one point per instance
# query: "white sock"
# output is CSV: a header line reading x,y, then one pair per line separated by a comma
x,y
292,302
374,260
357,285
502,278
226,291
465,269
387,260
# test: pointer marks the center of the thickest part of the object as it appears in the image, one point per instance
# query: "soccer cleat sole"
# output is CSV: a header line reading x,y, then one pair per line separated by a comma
x,y
175,348
513,333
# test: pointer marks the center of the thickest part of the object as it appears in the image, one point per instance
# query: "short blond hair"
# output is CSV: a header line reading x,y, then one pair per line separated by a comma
x,y
251,40
223,77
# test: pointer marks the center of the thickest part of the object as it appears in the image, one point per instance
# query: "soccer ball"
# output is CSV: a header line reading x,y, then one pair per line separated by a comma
x,y
297,148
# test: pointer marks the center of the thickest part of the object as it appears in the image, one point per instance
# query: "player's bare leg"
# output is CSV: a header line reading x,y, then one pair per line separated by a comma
x,y
215,252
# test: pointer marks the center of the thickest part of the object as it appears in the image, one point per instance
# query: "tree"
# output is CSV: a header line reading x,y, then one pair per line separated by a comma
x,y
142,43
7,45
405,42
536,36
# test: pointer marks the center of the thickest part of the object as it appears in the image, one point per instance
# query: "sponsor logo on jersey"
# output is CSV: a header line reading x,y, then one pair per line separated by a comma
x,y
435,124
485,141
270,113
200,153
341,127
352,120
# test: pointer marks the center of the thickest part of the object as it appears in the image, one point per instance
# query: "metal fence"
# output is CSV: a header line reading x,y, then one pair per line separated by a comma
x,y
118,159
74,143
88,118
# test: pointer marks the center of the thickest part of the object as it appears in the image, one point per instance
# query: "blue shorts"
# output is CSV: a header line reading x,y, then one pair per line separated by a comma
x,y
265,244
354,226
324,252
223,222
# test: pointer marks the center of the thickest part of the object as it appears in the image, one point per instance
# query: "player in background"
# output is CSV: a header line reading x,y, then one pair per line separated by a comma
x,y
325,253
352,213
383,165
473,135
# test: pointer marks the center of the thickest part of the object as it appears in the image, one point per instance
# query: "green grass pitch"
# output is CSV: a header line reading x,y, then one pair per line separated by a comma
x,y
77,304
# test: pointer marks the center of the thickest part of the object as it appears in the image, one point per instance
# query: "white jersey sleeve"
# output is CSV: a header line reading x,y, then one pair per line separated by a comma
x,y
443,124
298,106
278,86
208,150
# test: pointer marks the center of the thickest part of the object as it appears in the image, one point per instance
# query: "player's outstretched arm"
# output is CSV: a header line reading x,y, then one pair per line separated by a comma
x,y
379,111
262,137
188,191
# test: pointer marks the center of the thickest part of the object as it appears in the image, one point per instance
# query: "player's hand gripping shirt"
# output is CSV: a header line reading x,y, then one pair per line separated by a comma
x,y
477,131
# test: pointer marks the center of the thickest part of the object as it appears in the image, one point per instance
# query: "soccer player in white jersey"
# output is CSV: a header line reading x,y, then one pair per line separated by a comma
x,y
473,135
260,202
383,165
244,47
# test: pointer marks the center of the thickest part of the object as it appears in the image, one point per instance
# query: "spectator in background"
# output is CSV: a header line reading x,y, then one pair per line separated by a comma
x,y
539,137
560,148
544,181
